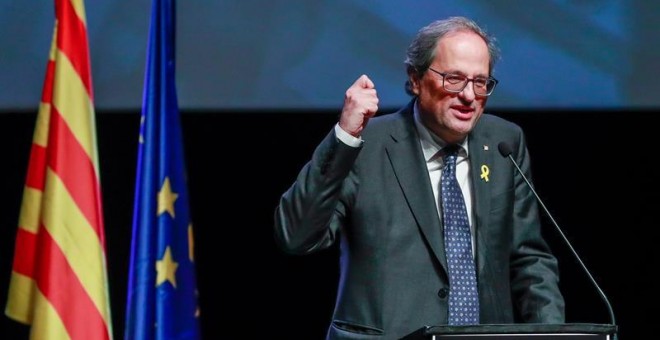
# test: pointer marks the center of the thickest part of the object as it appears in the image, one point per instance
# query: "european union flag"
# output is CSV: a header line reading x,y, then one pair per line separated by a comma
x,y
162,288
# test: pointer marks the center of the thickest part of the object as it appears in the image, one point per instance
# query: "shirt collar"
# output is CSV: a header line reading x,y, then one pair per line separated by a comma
x,y
432,144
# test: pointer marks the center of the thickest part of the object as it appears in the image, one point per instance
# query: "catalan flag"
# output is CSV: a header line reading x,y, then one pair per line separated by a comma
x,y
162,288
59,281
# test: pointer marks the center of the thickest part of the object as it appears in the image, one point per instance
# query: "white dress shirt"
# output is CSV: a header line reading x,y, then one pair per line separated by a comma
x,y
432,147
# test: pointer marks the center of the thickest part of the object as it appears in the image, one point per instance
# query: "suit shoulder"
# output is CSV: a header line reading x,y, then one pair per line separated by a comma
x,y
490,122
383,124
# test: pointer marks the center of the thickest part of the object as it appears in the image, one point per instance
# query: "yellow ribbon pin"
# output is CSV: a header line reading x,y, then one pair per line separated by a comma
x,y
485,172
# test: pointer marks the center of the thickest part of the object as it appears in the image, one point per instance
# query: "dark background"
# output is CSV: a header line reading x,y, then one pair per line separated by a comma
x,y
593,169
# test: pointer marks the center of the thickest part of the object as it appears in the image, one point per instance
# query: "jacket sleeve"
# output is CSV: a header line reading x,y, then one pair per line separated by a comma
x,y
534,270
312,210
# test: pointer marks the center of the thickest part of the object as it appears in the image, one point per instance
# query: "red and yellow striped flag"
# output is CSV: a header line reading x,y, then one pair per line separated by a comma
x,y
59,281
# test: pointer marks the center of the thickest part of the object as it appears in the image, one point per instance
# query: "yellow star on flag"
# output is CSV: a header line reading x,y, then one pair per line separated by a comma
x,y
166,269
166,198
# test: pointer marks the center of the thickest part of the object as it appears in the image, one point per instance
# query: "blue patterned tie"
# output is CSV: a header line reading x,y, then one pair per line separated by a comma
x,y
463,296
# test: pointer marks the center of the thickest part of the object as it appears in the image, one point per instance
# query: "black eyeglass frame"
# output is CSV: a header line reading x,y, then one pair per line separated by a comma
x,y
465,82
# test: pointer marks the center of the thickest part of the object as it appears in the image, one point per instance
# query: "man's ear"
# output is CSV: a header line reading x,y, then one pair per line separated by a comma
x,y
414,82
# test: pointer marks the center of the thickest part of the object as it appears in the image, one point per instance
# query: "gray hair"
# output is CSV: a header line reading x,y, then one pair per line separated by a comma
x,y
421,52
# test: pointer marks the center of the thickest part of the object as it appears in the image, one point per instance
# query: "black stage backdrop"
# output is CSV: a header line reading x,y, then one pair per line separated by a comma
x,y
594,170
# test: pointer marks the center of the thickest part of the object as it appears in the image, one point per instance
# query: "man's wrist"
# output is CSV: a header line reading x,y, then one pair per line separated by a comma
x,y
347,138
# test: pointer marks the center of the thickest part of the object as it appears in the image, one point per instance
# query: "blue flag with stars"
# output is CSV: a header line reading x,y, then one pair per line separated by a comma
x,y
162,288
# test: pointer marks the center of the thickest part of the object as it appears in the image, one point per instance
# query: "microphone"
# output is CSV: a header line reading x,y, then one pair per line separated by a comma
x,y
505,151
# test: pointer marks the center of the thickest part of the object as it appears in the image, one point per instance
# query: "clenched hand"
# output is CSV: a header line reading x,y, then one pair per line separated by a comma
x,y
360,104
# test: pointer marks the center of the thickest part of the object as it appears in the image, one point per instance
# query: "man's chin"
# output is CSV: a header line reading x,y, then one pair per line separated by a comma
x,y
462,127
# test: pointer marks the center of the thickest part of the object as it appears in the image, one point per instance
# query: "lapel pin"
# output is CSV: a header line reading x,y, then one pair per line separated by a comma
x,y
485,171
486,148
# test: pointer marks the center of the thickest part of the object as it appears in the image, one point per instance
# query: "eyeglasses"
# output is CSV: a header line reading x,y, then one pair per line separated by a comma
x,y
455,83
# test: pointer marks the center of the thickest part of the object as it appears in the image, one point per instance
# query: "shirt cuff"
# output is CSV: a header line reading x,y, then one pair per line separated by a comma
x,y
347,138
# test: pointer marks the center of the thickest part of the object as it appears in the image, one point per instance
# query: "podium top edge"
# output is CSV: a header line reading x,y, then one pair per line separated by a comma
x,y
526,328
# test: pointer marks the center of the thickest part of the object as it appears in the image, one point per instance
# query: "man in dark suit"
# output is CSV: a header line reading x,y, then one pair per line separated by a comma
x,y
376,189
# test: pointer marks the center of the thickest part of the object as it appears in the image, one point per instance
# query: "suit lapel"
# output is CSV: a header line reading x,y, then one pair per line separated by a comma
x,y
482,150
405,155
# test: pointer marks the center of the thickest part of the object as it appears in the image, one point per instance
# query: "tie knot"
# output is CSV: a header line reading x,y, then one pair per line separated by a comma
x,y
450,152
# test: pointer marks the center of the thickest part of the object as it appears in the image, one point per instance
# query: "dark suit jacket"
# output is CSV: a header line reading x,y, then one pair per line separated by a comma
x,y
377,201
